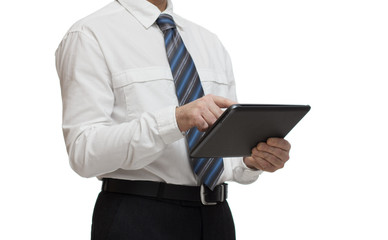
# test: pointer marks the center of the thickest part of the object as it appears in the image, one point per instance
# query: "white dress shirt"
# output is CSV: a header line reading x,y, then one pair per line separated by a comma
x,y
119,96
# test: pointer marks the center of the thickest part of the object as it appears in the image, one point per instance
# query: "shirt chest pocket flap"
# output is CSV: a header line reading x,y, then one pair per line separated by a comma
x,y
147,89
144,89
214,82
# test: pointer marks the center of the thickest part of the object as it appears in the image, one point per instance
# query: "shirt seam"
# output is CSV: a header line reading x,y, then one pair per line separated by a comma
x,y
93,40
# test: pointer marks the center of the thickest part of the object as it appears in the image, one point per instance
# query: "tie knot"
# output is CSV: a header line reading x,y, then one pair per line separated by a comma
x,y
165,22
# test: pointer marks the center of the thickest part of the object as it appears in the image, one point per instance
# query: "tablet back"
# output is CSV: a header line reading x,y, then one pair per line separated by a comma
x,y
243,126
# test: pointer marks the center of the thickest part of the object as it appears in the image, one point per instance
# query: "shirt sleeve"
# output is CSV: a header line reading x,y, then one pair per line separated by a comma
x,y
235,168
96,144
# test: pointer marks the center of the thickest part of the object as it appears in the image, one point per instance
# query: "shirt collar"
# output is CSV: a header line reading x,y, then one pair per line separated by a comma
x,y
145,12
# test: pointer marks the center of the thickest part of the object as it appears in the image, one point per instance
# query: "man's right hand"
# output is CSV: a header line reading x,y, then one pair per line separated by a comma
x,y
201,113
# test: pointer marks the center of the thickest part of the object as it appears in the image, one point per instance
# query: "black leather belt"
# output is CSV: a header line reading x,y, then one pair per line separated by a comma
x,y
167,191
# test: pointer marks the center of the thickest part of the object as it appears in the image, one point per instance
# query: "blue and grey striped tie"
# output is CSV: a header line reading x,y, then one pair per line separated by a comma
x,y
188,88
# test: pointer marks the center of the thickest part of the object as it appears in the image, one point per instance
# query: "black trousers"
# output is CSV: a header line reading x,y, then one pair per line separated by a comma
x,y
121,216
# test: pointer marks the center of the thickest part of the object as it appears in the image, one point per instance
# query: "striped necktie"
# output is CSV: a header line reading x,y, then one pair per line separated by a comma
x,y
188,88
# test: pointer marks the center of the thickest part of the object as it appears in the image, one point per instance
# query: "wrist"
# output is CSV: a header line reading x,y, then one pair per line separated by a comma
x,y
181,120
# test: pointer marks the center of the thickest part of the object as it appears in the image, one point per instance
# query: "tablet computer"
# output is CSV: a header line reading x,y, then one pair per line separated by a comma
x,y
243,126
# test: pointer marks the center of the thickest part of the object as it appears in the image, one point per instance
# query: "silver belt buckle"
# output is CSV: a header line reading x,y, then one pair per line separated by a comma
x,y
202,194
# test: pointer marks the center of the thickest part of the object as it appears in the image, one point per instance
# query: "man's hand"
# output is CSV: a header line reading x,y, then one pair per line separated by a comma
x,y
269,156
201,113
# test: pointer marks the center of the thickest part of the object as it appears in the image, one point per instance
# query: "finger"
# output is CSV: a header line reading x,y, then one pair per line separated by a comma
x,y
273,160
209,117
200,123
279,143
278,152
214,108
203,126
222,102
262,164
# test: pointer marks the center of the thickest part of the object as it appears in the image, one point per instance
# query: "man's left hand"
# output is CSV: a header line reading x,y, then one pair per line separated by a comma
x,y
269,156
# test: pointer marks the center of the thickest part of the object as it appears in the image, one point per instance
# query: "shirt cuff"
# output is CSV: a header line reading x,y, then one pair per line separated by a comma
x,y
245,175
167,125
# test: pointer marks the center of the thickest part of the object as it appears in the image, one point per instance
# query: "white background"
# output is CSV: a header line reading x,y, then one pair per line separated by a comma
x,y
331,54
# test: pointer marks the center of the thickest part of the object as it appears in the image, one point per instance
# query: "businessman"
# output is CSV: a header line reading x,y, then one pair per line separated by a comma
x,y
139,85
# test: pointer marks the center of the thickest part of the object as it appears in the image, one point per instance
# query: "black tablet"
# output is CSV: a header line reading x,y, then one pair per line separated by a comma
x,y
243,126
